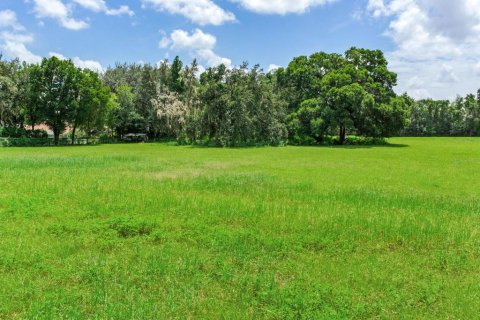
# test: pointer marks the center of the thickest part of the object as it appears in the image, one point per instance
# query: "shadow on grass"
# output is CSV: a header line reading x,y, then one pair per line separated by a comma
x,y
201,146
365,146
369,146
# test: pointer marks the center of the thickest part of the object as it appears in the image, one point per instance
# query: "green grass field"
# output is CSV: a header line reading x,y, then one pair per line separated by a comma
x,y
162,232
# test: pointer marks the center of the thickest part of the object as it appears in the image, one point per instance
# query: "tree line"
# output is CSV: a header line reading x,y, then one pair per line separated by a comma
x,y
444,118
323,98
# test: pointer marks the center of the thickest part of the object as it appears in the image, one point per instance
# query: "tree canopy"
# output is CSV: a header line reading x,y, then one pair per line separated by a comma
x,y
350,94
316,99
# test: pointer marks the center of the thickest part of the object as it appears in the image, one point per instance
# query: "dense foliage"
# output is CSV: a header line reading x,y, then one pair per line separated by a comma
x,y
324,98
55,93
224,107
350,94
444,118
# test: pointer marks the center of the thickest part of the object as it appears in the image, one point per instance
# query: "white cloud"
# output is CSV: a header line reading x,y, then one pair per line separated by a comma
x,y
79,63
273,67
437,42
377,8
357,15
14,40
8,19
197,40
281,6
447,75
201,69
415,83
101,6
164,43
202,12
57,10
197,43
477,69
120,11
212,59
14,45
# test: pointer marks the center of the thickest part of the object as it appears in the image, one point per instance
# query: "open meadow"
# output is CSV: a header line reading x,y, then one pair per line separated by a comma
x,y
153,231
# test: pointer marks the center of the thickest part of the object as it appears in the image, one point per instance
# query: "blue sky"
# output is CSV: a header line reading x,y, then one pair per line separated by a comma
x,y
433,55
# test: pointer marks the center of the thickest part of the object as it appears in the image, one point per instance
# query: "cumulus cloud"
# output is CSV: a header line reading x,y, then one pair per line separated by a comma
x,y
101,6
201,69
14,39
273,67
212,59
197,43
14,45
8,19
477,69
164,43
62,13
437,41
197,40
120,11
57,10
79,63
202,12
281,6
447,75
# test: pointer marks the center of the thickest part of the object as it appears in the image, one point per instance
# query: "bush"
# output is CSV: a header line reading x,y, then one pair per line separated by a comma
x,y
38,134
13,132
25,142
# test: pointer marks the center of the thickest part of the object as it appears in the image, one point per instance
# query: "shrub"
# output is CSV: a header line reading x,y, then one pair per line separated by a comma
x,y
38,134
12,132
25,142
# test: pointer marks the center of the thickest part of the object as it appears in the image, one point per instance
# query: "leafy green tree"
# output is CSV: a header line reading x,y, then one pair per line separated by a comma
x,y
113,109
125,118
177,83
145,93
307,124
431,118
456,117
472,114
379,81
301,80
211,95
90,109
239,107
33,108
192,130
351,94
8,92
58,93
123,74
345,102
267,109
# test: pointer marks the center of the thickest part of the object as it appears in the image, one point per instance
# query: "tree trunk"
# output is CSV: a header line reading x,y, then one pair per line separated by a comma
x,y
73,134
56,137
342,135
